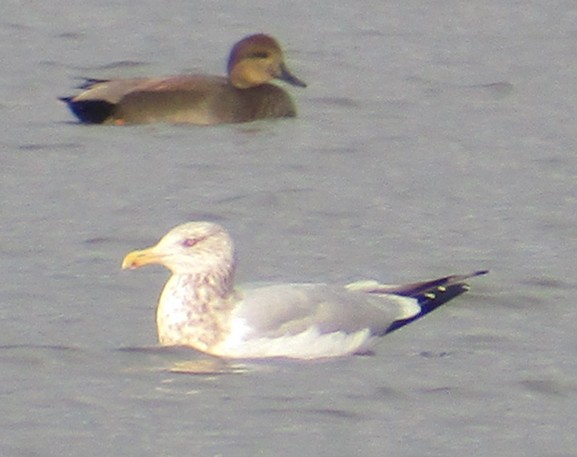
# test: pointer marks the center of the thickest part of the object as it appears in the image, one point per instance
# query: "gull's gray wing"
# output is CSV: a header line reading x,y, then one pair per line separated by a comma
x,y
290,309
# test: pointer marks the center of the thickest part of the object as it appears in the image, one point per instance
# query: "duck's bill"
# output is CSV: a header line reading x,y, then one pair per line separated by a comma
x,y
288,77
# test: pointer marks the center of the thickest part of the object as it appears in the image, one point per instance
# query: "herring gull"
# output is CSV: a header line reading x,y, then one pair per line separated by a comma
x,y
200,307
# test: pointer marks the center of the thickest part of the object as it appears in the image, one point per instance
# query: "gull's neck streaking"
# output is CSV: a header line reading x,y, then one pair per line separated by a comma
x,y
194,307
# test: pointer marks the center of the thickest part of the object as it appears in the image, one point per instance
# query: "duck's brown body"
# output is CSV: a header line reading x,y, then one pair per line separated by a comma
x,y
245,95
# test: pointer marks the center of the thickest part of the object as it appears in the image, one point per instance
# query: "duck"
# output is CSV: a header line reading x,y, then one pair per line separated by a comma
x,y
244,95
200,307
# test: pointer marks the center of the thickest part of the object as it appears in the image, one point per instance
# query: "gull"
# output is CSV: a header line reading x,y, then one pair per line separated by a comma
x,y
200,307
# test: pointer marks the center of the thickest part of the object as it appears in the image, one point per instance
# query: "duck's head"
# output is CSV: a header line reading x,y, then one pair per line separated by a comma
x,y
256,60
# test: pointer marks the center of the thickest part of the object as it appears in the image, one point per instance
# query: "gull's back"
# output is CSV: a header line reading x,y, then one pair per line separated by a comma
x,y
311,321
308,321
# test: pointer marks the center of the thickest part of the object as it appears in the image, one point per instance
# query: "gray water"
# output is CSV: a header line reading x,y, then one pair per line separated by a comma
x,y
434,138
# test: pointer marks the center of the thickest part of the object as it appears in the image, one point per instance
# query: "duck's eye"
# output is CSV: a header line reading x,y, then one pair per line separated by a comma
x,y
189,242
261,55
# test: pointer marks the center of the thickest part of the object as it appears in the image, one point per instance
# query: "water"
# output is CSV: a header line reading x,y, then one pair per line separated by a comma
x,y
432,139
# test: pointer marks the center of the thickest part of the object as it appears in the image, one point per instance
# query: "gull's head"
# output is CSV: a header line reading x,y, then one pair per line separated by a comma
x,y
191,248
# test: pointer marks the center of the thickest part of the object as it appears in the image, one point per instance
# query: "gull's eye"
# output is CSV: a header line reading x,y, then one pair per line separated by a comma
x,y
188,242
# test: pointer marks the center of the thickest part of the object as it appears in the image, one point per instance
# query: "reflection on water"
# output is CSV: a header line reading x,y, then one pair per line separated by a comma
x,y
207,367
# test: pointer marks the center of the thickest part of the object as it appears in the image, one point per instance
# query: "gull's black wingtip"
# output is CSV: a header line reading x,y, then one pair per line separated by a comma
x,y
438,294
480,273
